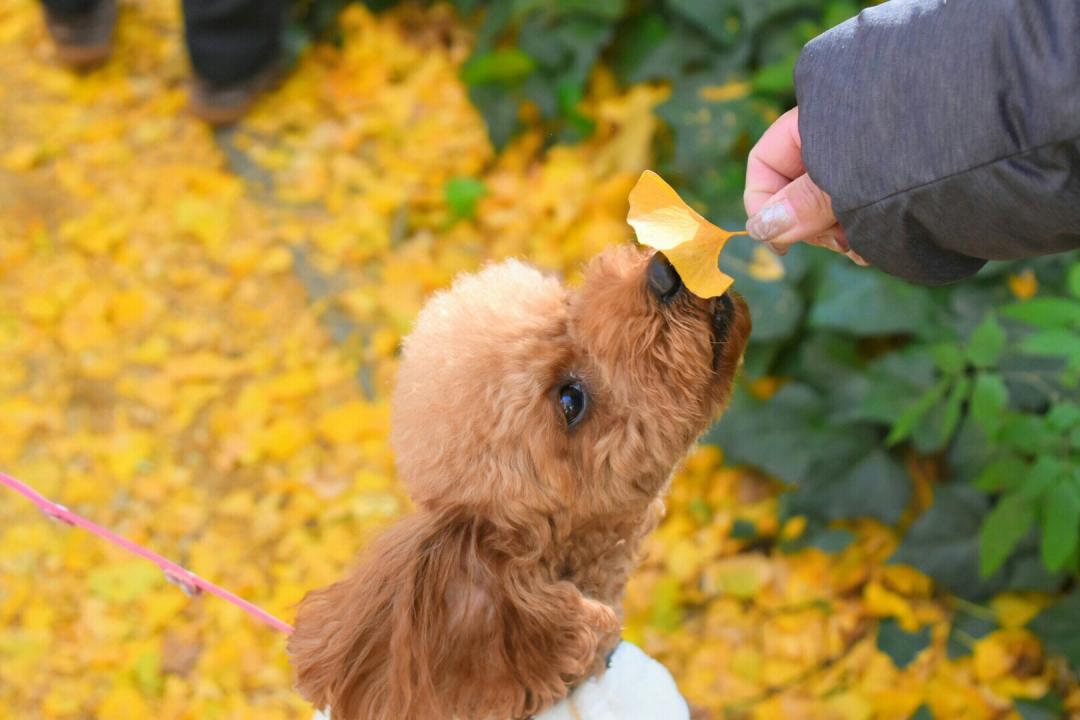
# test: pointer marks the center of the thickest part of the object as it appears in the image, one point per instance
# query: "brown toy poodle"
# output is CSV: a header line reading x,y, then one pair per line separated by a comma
x,y
536,428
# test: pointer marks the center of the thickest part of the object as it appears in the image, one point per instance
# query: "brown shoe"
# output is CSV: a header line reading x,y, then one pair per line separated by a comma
x,y
226,105
83,41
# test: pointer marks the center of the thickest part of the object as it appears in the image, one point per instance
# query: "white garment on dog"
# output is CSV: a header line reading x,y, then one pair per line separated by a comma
x,y
635,687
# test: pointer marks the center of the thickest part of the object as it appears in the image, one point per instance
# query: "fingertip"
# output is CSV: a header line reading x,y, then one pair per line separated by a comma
x,y
771,221
857,258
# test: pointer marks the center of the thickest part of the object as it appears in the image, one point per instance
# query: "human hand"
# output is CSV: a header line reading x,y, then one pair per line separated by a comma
x,y
784,205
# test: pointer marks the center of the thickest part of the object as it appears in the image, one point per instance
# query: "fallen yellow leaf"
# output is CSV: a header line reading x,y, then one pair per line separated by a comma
x,y
1015,610
880,602
764,265
693,244
724,93
741,576
1023,285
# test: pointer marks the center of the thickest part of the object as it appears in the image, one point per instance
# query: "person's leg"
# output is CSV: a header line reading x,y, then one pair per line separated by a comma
x,y
81,30
230,41
69,7
236,49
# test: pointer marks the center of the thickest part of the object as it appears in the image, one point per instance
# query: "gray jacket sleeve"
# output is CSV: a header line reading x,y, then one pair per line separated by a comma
x,y
947,132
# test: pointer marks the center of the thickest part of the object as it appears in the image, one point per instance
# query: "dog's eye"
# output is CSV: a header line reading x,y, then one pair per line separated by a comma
x,y
572,402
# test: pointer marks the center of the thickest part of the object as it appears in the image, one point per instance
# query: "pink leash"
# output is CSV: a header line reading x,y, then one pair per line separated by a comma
x,y
186,580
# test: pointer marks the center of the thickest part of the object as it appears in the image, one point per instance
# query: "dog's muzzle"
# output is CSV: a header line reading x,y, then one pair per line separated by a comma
x,y
664,282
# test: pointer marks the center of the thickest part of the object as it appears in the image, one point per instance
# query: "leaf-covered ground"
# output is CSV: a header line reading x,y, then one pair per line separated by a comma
x,y
197,341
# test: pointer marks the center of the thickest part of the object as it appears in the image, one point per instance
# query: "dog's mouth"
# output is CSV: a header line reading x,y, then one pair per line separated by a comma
x,y
723,314
723,311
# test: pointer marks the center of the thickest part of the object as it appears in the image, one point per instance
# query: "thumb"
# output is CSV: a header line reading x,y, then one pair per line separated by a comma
x,y
798,211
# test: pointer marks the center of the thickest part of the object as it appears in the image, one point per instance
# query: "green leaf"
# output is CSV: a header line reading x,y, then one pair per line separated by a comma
x,y
609,10
719,19
967,305
1073,280
650,47
937,427
497,18
1003,528
1034,382
986,343
759,359
1058,627
1026,572
914,412
743,529
831,540
710,137
505,66
901,646
1055,343
943,543
777,78
890,384
776,306
923,712
462,196
827,361
1028,434
466,6
1064,416
757,13
950,417
837,11
970,451
1004,474
1042,475
873,484
967,627
948,357
635,43
565,49
988,401
1048,312
1061,523
1048,707
867,302
780,436
500,111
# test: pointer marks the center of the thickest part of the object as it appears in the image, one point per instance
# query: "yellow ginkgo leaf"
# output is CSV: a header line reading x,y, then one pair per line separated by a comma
x,y
764,265
693,244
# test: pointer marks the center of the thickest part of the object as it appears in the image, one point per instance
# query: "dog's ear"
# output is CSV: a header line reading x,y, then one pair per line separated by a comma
x,y
447,617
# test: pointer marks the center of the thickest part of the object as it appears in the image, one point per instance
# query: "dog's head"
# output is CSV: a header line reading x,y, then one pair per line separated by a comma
x,y
518,396
525,412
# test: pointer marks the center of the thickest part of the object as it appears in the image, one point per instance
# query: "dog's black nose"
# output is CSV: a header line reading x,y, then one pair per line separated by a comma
x,y
664,281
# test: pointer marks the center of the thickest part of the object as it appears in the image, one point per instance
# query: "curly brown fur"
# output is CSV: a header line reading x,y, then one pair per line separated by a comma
x,y
503,590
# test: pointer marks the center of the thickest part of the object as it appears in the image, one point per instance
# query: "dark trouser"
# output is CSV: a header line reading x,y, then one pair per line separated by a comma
x,y
228,40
